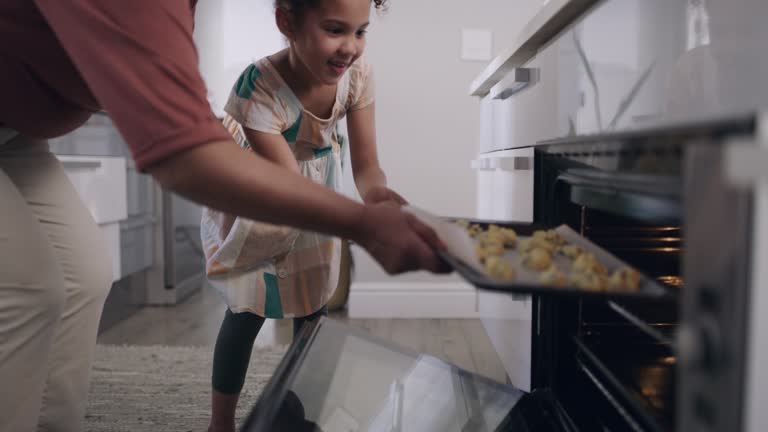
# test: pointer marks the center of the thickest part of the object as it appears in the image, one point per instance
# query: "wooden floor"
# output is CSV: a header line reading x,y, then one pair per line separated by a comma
x,y
196,322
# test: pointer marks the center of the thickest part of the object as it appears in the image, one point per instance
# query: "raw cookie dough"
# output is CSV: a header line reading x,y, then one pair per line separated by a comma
x,y
537,259
588,281
509,237
587,263
506,236
553,276
474,230
528,244
625,279
499,269
489,249
571,251
550,236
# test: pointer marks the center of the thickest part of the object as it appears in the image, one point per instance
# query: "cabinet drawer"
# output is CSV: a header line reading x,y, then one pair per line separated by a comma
x,y
136,245
101,184
140,192
505,185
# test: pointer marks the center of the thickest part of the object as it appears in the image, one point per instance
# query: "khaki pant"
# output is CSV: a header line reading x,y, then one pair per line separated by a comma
x,y
54,278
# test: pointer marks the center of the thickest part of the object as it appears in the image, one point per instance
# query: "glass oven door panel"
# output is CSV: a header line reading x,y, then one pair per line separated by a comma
x,y
337,378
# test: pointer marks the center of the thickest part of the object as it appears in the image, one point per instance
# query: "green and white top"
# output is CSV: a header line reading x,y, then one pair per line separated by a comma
x,y
273,271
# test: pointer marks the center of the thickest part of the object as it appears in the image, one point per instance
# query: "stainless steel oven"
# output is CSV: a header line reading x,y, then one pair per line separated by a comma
x,y
660,200
666,201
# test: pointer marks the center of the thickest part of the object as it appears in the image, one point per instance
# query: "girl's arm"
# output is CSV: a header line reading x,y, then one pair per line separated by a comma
x,y
369,177
272,147
223,176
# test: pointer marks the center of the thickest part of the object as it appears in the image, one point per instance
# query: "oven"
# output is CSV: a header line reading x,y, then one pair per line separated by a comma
x,y
659,200
677,204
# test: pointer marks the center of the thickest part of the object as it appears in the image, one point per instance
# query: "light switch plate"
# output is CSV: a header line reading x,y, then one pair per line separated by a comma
x,y
476,44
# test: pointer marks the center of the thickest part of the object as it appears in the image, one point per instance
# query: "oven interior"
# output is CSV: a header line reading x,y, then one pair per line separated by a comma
x,y
611,363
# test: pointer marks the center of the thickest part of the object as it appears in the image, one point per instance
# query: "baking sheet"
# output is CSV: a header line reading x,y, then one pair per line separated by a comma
x,y
526,281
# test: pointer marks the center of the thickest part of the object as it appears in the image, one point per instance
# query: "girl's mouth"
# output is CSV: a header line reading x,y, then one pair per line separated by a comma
x,y
338,67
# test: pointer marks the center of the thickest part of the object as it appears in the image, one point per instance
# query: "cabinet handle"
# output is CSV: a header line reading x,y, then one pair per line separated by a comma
x,y
481,164
81,164
516,80
515,163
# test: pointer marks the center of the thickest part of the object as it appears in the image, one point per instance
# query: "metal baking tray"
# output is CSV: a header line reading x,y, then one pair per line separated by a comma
x,y
526,281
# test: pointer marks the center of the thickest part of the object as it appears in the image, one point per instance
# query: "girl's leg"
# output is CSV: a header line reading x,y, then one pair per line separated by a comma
x,y
299,322
230,364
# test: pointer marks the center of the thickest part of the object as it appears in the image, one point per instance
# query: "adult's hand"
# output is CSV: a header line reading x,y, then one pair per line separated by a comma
x,y
398,241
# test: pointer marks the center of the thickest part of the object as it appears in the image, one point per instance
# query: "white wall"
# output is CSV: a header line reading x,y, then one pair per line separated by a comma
x,y
427,125
229,35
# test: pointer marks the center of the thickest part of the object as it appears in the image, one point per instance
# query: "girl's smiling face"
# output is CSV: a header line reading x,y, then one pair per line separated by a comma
x,y
329,36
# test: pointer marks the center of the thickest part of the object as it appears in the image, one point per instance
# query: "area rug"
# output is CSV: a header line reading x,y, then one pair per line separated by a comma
x,y
160,388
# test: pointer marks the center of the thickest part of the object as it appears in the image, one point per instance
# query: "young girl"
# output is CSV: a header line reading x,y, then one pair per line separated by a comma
x,y
286,107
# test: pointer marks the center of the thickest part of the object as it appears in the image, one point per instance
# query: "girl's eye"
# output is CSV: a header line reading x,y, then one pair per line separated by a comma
x,y
334,30
361,33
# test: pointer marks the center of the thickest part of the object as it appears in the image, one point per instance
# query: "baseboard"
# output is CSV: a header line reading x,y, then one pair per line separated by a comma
x,y
412,300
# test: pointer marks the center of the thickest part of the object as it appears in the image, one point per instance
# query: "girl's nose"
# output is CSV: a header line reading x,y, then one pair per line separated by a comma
x,y
350,47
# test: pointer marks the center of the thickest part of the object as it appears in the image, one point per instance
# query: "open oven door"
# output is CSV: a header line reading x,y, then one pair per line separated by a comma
x,y
335,378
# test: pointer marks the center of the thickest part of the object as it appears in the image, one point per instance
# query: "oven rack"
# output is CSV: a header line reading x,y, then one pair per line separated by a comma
x,y
633,407
646,328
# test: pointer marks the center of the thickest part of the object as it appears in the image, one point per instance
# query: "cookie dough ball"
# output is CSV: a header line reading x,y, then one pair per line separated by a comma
x,y
509,237
570,251
625,279
537,259
553,276
588,281
587,263
550,236
483,238
528,244
474,230
489,249
499,269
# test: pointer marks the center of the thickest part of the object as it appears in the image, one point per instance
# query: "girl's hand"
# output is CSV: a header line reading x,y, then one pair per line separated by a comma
x,y
379,194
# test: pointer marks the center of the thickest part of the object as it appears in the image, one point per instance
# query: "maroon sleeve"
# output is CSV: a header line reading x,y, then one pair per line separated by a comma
x,y
139,60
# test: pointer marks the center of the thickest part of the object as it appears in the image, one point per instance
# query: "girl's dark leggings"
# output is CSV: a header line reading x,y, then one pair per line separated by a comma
x,y
235,343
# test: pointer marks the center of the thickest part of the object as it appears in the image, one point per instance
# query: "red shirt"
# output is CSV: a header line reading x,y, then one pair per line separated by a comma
x,y
60,61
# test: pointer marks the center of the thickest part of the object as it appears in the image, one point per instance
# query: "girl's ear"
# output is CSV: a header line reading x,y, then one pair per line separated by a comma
x,y
285,22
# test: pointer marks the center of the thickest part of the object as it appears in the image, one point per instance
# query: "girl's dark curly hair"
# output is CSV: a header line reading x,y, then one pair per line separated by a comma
x,y
297,7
